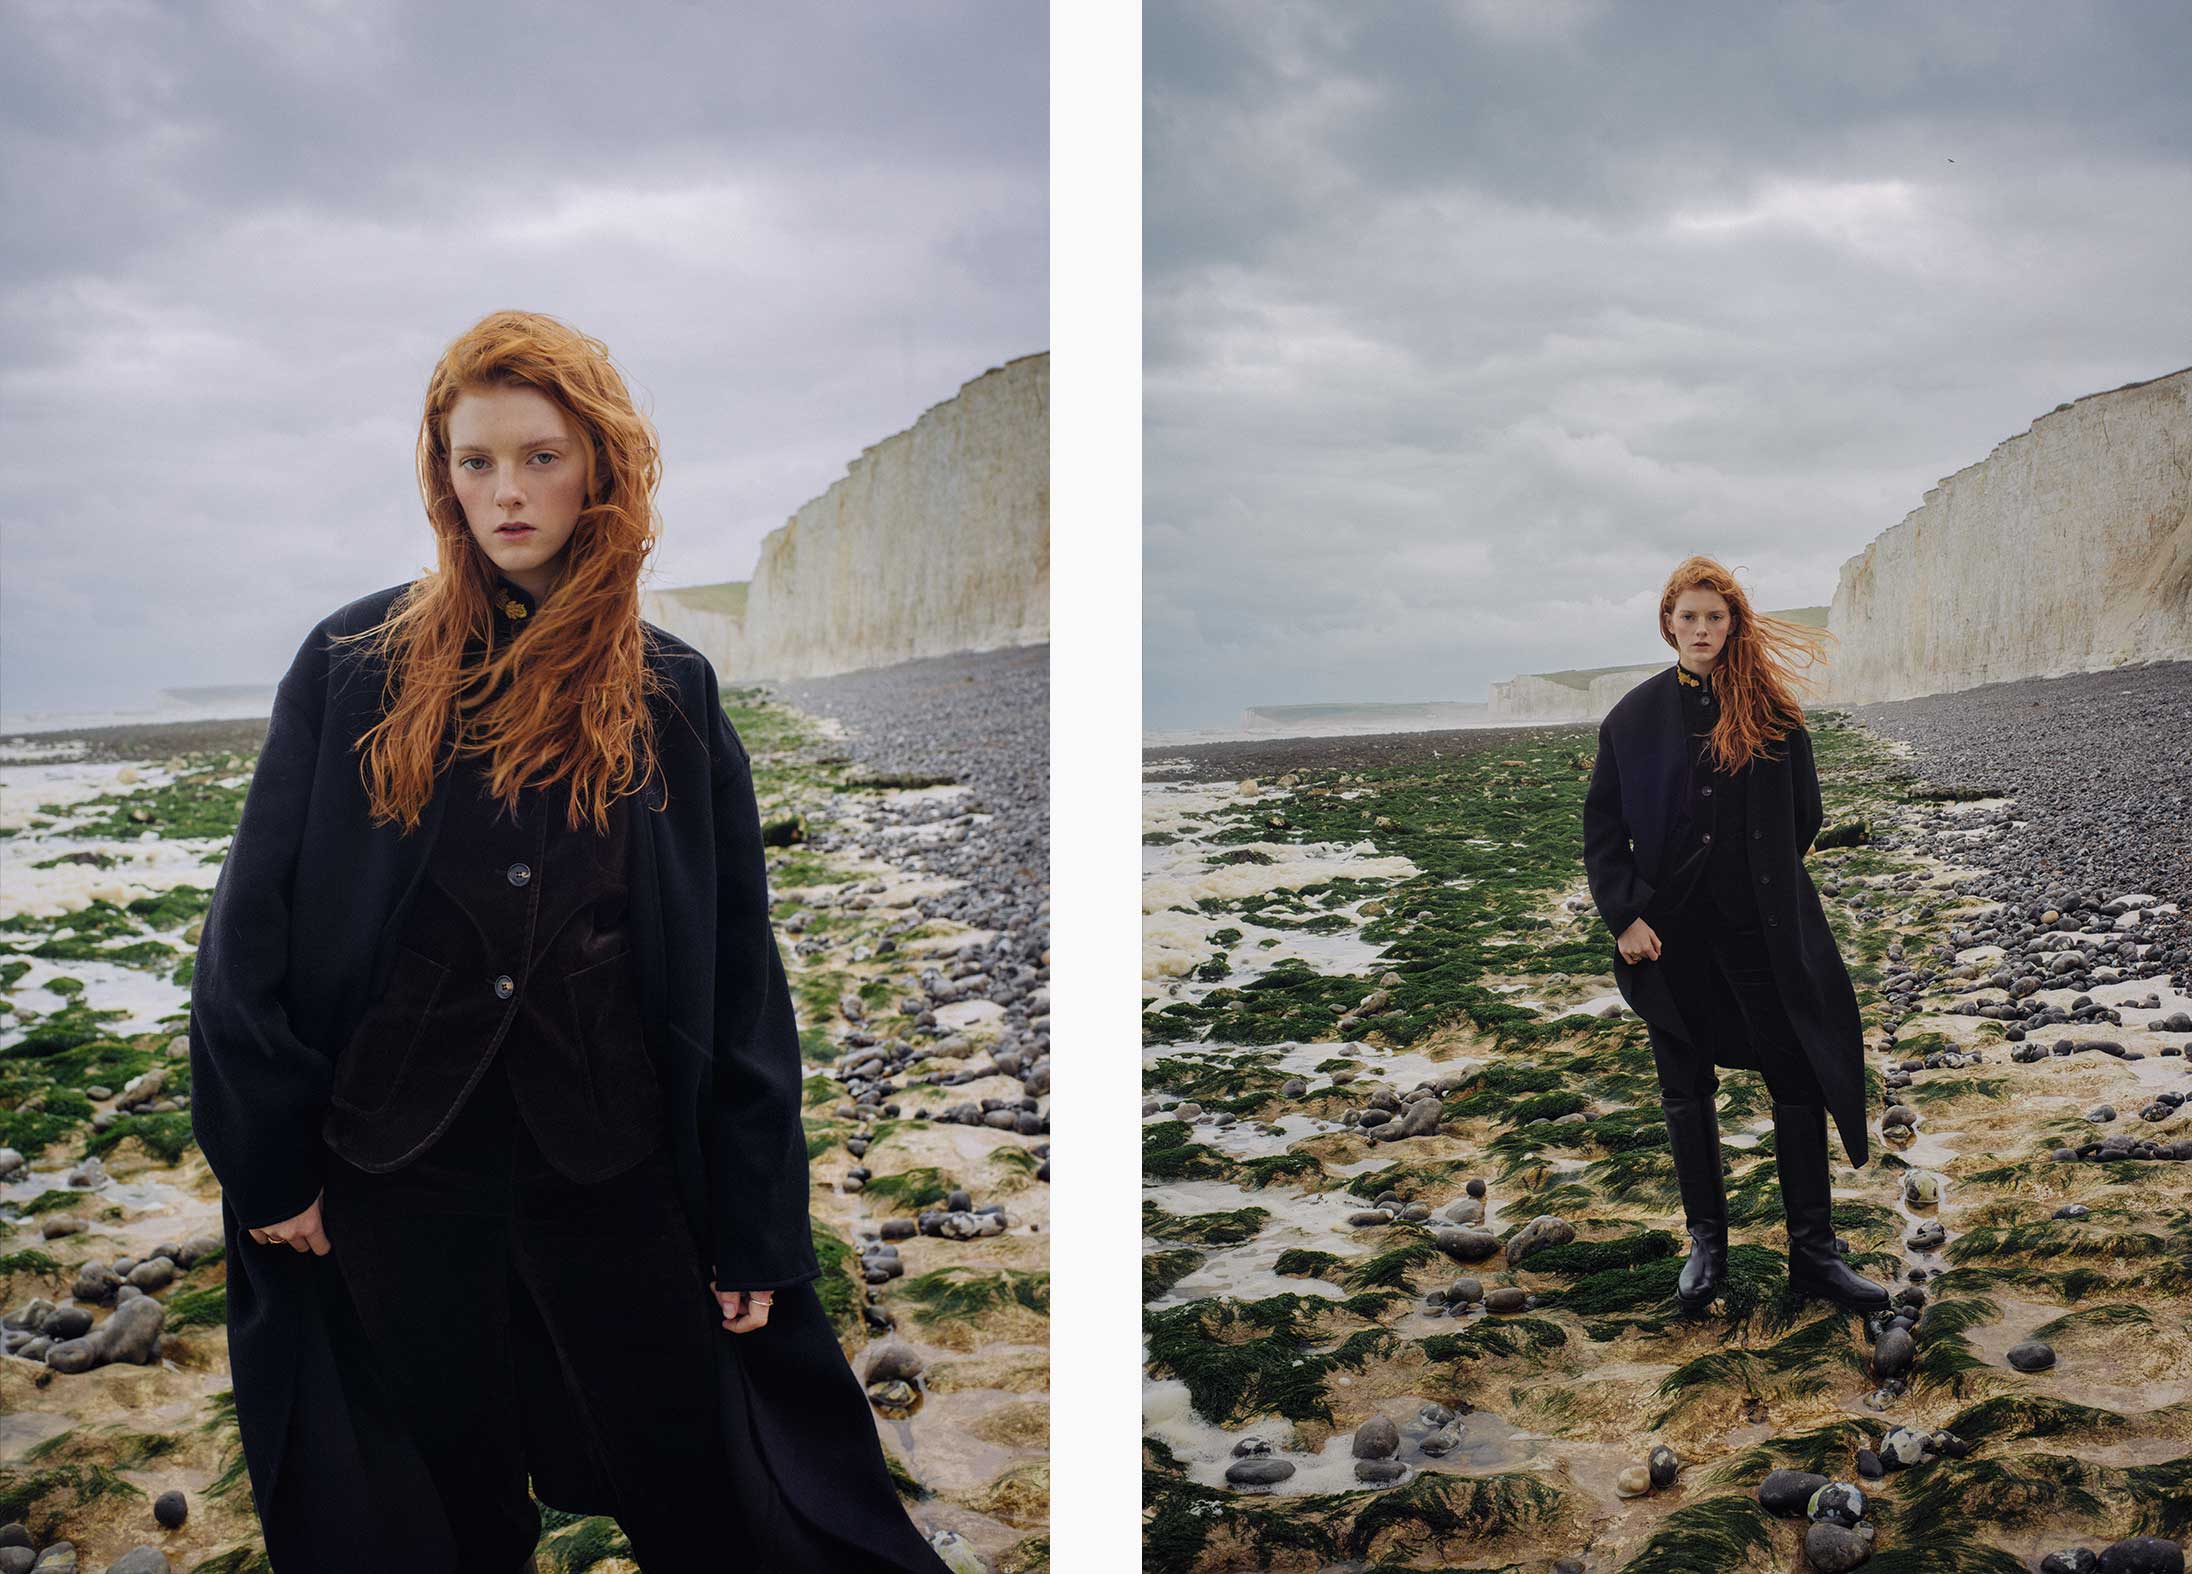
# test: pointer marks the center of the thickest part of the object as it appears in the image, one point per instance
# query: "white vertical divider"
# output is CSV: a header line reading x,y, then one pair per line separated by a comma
x,y
1095,754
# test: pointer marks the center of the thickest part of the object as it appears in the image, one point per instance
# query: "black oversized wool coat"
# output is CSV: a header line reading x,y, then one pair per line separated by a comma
x,y
1633,816
305,914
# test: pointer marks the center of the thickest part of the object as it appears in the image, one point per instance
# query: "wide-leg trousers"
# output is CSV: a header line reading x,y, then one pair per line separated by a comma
x,y
1700,937
432,1255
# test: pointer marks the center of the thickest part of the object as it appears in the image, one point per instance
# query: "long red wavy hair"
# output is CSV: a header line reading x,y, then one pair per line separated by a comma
x,y
1756,677
570,698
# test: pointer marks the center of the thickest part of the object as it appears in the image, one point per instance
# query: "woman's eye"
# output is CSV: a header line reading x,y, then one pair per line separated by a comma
x,y
545,454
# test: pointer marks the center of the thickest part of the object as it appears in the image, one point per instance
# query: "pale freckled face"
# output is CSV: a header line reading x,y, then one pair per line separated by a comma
x,y
514,456
1699,622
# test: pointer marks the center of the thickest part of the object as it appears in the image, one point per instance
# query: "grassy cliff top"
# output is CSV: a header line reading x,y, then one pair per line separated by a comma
x,y
729,597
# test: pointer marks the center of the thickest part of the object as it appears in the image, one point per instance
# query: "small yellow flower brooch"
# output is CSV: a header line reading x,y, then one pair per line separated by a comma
x,y
1683,673
511,606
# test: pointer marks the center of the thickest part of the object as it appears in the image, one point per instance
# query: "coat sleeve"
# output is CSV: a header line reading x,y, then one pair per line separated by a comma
x,y
258,1094
1804,779
1608,863
757,1158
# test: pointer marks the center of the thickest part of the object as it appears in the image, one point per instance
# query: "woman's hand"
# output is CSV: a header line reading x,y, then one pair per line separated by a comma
x,y
1638,943
304,1233
744,1310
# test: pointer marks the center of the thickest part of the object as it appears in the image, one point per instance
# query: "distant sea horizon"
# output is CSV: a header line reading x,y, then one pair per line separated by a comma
x,y
1333,720
219,702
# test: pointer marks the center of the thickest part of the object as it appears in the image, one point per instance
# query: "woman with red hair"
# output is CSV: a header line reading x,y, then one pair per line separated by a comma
x,y
1695,832
493,1055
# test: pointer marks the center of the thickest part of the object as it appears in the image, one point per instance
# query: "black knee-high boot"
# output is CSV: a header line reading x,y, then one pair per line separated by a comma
x,y
1815,1268
1693,1132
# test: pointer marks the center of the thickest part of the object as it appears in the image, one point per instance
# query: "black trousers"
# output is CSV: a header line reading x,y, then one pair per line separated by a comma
x,y
1700,937
432,1254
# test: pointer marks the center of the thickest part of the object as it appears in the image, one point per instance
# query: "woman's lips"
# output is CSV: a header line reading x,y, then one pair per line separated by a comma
x,y
512,530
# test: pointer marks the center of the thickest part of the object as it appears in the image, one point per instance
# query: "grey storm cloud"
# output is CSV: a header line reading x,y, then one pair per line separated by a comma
x,y
239,235
1465,322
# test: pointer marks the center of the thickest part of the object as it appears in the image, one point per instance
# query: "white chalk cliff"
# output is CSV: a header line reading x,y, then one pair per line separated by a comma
x,y
1532,698
1587,694
2067,549
935,540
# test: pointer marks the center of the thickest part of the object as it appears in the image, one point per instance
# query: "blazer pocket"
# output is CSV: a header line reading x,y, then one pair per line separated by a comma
x,y
379,1054
610,1028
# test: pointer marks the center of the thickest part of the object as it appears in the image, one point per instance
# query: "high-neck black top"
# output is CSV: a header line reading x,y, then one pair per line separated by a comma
x,y
514,959
1711,878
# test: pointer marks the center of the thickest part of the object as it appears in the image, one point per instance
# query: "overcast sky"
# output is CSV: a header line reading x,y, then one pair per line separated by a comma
x,y
1466,322
239,235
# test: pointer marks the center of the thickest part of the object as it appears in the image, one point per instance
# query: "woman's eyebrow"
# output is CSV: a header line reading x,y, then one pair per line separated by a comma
x,y
535,442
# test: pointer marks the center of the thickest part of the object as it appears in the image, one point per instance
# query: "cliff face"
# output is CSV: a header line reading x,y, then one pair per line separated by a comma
x,y
1532,698
936,540
1611,686
2067,549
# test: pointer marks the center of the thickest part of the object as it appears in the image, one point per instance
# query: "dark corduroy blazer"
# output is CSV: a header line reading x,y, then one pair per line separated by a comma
x,y
304,916
1632,813
517,946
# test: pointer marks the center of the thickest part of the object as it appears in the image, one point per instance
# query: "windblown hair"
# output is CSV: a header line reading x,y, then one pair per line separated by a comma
x,y
568,699
1755,677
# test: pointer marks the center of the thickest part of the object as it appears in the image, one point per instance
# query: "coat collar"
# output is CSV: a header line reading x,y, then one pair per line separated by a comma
x,y
514,604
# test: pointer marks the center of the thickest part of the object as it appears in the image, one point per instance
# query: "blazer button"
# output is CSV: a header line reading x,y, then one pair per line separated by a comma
x,y
1708,838
520,873
1765,879
1708,792
1755,835
504,986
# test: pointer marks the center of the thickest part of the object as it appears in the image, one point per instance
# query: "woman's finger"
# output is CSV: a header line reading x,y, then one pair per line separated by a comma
x,y
757,1316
